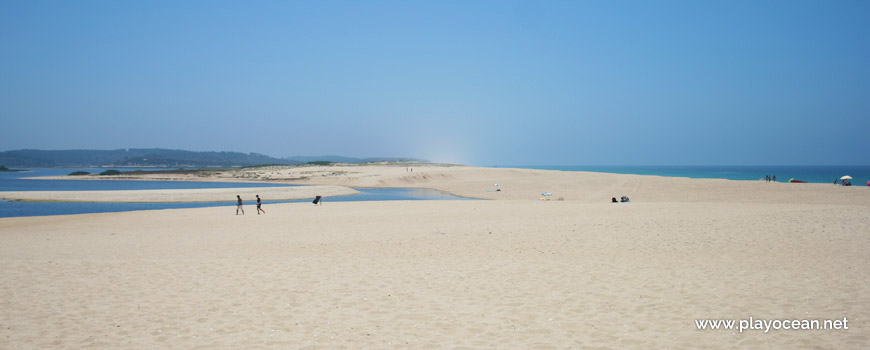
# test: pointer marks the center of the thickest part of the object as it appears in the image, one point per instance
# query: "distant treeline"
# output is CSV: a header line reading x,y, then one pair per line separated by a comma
x,y
134,157
170,158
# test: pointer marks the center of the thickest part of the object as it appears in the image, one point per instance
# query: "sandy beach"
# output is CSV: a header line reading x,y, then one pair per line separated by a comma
x,y
524,184
514,272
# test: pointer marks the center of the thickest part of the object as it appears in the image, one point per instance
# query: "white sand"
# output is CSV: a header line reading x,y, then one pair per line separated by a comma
x,y
505,274
525,184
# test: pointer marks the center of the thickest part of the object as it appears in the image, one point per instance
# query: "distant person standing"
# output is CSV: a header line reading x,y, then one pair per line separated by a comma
x,y
774,178
259,203
239,206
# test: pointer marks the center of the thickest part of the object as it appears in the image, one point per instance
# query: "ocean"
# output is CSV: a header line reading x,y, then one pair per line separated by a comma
x,y
812,174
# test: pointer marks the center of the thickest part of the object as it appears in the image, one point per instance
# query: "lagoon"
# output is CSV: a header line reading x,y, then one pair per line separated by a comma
x,y
17,181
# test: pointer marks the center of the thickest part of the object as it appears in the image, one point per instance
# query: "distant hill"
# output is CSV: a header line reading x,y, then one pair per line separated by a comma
x,y
28,158
351,160
5,169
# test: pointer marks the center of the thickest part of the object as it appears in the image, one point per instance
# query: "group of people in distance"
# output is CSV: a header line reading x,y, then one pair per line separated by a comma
x,y
240,208
769,178
624,199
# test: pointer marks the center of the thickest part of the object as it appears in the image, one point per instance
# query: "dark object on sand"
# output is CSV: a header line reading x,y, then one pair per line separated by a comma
x,y
316,200
613,200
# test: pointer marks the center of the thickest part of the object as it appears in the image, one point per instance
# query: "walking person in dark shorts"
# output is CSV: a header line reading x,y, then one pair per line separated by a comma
x,y
259,202
239,207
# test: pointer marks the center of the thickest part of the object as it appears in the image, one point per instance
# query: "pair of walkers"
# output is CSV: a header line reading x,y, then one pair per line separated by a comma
x,y
240,208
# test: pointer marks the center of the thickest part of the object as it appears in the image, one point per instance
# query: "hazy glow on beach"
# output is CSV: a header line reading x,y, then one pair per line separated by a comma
x,y
484,82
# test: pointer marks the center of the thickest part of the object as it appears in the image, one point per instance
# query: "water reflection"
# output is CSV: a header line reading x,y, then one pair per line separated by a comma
x,y
16,209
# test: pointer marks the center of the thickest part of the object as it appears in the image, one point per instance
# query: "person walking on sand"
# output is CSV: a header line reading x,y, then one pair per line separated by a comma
x,y
239,206
259,203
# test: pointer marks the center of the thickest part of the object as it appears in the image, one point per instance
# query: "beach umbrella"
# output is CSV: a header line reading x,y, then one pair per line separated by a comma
x,y
847,177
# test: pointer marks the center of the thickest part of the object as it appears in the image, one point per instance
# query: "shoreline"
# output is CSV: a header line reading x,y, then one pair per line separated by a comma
x,y
785,172
204,195
208,173
521,183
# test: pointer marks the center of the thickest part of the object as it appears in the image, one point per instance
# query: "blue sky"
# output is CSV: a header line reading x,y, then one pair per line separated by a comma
x,y
473,82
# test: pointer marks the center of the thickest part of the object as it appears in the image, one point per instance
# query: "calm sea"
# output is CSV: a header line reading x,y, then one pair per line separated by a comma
x,y
815,174
16,181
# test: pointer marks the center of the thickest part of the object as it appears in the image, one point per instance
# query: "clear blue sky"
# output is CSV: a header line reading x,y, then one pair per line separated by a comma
x,y
474,82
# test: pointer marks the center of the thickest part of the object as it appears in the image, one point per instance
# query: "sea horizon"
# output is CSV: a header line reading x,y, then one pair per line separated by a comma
x,y
783,173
